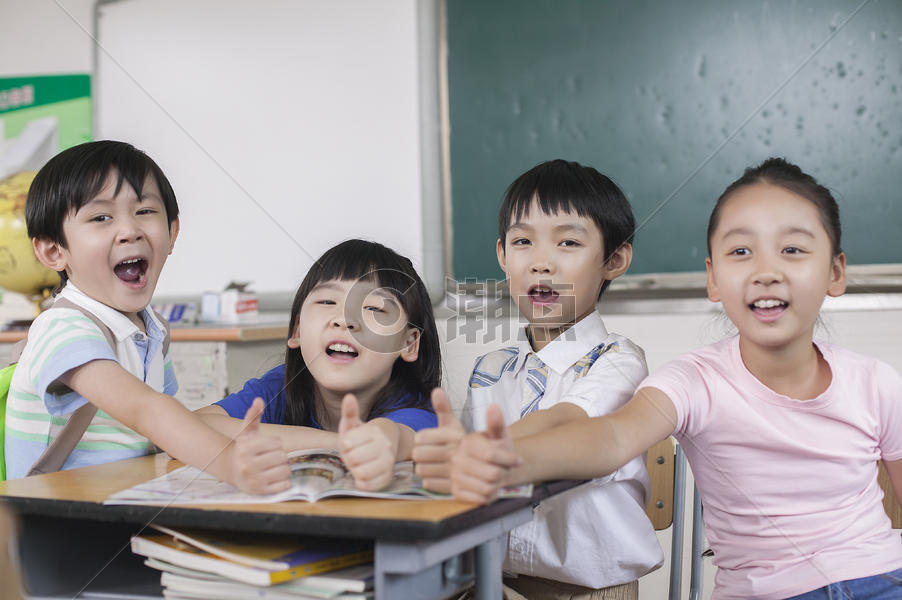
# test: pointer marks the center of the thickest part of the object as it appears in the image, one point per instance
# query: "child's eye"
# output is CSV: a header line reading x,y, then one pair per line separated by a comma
x,y
101,218
325,301
792,250
570,243
147,211
520,242
372,308
739,252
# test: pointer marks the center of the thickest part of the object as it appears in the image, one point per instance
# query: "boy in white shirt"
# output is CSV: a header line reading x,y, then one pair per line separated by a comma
x,y
104,216
565,232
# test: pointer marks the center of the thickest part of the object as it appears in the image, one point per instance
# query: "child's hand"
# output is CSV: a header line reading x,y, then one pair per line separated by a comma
x,y
433,448
479,466
367,449
259,464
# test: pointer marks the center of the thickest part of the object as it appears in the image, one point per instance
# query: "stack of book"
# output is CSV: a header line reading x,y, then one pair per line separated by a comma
x,y
202,565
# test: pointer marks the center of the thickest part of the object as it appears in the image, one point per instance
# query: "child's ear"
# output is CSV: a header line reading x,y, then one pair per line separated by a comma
x,y
837,276
502,259
411,349
619,261
294,341
713,293
51,254
173,233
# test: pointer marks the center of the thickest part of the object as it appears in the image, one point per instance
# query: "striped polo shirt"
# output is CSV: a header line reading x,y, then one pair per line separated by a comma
x,y
38,405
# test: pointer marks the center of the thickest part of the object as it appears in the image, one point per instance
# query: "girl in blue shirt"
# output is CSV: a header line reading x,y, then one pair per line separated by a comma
x,y
361,361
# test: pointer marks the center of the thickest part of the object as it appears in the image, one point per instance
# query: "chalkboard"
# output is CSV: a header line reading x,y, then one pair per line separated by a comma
x,y
673,100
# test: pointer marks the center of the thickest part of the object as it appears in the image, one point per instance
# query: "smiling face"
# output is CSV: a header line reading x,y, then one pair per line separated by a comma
x,y
350,334
115,246
771,266
555,267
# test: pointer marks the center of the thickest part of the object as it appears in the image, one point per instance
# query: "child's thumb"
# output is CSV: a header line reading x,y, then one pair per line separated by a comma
x,y
350,414
252,416
495,428
442,407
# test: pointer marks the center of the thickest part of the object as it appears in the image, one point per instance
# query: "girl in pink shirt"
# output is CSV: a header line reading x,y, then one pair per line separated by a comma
x,y
783,434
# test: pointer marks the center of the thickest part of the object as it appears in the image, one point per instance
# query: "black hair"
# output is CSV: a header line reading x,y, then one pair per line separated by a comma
x,y
73,177
360,260
784,174
565,186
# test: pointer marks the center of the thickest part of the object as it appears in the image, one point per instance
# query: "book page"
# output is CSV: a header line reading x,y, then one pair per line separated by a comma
x,y
316,473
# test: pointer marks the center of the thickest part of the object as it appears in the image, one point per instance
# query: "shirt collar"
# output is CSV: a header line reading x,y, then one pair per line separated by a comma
x,y
121,326
570,346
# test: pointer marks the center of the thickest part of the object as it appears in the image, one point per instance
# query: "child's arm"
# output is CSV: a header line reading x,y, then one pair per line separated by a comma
x,y
256,463
294,437
370,450
580,450
548,418
434,447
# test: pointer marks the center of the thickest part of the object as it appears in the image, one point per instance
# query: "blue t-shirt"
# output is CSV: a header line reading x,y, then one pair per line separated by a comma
x,y
270,388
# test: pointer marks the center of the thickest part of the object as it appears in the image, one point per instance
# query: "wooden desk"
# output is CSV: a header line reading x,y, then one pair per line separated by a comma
x,y
71,542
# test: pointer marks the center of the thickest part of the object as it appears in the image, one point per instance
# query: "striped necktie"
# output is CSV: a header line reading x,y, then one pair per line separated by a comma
x,y
534,386
582,366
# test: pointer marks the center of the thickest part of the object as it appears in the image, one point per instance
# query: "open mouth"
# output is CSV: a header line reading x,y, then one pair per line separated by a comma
x,y
542,294
768,307
338,350
132,270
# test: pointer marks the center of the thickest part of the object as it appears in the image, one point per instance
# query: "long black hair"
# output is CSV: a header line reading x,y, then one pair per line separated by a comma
x,y
360,260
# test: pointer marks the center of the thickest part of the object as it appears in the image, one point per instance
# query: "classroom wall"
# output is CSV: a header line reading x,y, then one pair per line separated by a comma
x,y
43,37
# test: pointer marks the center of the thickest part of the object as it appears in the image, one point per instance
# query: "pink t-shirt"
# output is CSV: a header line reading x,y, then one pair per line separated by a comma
x,y
789,487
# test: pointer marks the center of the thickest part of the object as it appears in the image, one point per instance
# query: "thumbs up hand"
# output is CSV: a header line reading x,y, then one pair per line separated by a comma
x,y
367,449
434,447
481,463
259,464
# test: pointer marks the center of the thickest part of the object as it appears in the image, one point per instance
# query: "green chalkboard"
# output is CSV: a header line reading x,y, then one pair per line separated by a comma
x,y
672,100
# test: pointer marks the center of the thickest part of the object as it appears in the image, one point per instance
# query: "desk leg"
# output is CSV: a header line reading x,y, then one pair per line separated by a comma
x,y
489,557
435,569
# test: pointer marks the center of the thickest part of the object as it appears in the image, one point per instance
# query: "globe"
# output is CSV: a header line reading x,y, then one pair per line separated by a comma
x,y
20,270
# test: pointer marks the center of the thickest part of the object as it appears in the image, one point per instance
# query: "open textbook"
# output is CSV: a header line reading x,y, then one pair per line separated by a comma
x,y
315,474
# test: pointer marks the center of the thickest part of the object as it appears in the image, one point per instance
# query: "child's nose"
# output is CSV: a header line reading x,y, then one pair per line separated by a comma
x,y
129,232
345,322
767,272
541,265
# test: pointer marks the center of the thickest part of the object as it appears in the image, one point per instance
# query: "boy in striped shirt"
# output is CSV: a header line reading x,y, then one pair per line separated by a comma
x,y
104,216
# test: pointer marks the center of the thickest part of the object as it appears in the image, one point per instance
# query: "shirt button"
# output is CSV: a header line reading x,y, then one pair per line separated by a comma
x,y
138,337
518,547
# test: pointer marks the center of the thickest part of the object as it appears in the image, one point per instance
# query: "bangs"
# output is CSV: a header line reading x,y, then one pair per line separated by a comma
x,y
549,203
357,260
555,187
131,167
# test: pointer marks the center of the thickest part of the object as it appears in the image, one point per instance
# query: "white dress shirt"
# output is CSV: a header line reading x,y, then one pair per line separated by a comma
x,y
596,535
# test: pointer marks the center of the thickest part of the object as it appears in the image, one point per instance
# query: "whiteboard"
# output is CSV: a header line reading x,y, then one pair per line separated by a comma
x,y
284,128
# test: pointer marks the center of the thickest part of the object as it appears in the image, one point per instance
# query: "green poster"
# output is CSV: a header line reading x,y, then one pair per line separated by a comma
x,y
39,117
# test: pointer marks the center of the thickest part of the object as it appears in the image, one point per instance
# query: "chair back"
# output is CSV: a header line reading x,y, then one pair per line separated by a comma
x,y
666,464
659,462
890,502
